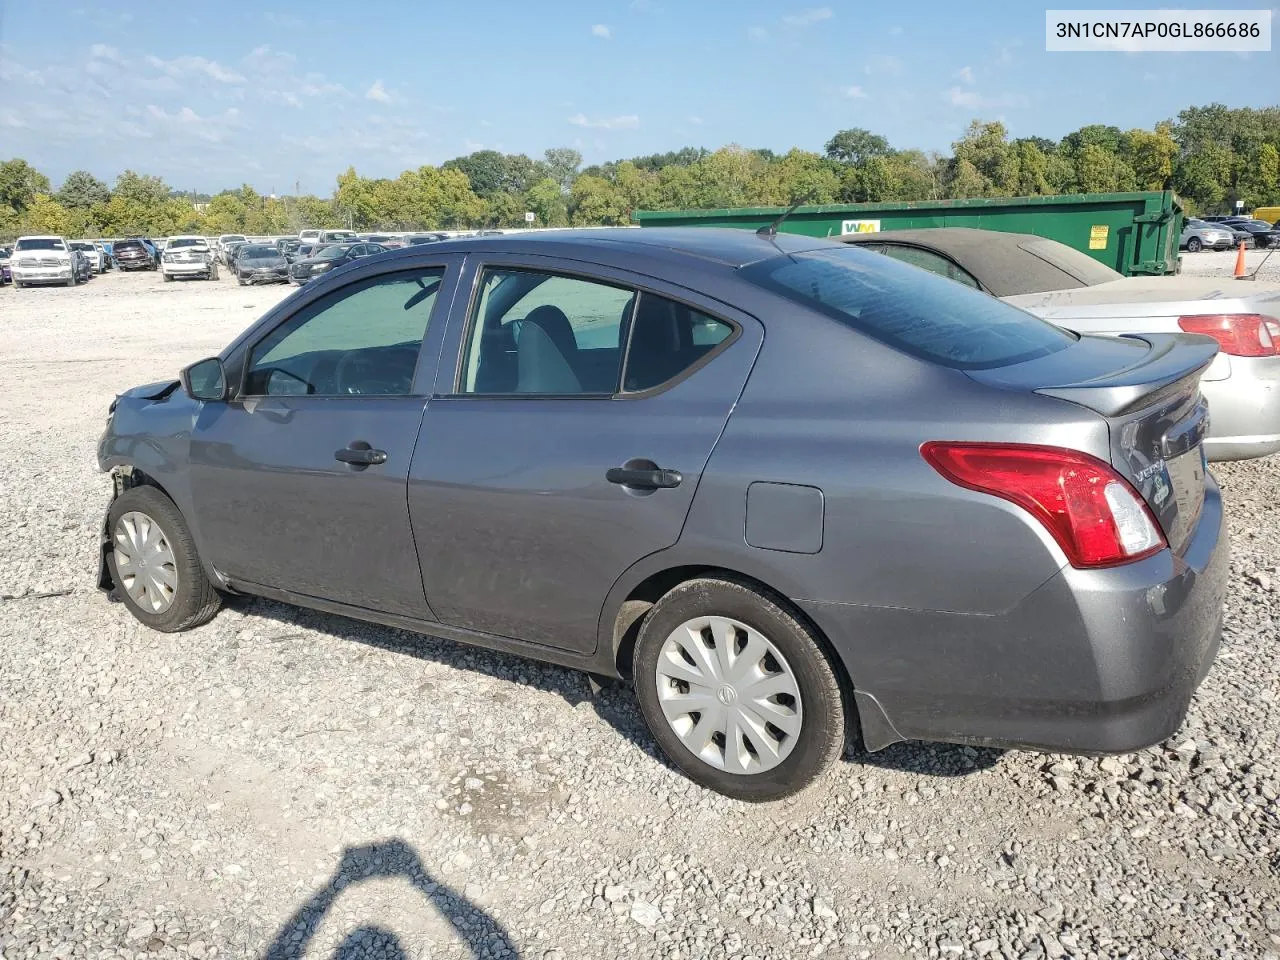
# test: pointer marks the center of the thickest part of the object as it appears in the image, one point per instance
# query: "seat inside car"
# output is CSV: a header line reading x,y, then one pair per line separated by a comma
x,y
660,343
545,352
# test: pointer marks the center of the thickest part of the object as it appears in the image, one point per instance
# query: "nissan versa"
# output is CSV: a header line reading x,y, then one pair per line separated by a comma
x,y
784,487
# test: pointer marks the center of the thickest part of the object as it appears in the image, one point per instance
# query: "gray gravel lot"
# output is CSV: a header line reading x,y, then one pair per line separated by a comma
x,y
283,783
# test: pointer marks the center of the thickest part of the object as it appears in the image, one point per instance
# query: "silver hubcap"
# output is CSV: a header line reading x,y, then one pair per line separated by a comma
x,y
729,695
145,562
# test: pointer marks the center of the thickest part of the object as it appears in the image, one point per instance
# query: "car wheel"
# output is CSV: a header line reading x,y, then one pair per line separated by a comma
x,y
213,272
737,691
154,565
168,277
1194,245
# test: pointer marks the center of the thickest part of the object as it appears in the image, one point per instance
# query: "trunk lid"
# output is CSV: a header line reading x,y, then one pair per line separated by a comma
x,y
1147,388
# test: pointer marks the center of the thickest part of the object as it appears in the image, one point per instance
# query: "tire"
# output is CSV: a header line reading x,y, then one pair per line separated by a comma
x,y
799,757
240,280
1194,245
193,600
168,277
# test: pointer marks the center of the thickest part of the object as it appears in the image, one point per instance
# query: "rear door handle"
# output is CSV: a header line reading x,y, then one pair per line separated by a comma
x,y
361,455
644,479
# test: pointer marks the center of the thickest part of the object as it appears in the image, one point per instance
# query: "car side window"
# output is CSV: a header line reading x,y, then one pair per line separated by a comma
x,y
361,340
537,333
668,338
934,263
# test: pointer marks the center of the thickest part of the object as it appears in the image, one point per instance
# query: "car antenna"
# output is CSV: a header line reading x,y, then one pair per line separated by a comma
x,y
771,229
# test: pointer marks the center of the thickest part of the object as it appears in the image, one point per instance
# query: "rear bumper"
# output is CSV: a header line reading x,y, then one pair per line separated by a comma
x,y
1093,661
1244,410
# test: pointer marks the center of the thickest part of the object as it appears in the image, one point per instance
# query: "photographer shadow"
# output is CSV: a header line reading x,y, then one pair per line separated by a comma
x,y
483,935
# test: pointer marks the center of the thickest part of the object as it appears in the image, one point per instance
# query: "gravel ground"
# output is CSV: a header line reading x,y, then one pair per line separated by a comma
x,y
282,783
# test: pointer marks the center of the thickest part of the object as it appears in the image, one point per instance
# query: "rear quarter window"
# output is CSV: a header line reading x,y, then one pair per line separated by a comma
x,y
919,313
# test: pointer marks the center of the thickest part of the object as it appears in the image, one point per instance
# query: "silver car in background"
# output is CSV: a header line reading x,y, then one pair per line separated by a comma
x,y
1069,288
1197,234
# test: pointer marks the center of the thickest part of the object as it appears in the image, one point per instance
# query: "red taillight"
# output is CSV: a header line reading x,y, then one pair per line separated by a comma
x,y
1096,516
1239,334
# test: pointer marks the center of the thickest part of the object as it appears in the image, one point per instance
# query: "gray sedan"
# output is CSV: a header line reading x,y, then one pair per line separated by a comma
x,y
786,488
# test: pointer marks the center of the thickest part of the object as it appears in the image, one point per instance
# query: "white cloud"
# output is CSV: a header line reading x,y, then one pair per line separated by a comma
x,y
696,120
757,33
378,92
883,65
807,18
602,31
965,75
627,122
102,51
895,31
210,129
854,93
972,100
183,68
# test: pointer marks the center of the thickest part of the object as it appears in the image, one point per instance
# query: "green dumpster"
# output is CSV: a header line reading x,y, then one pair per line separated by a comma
x,y
1135,233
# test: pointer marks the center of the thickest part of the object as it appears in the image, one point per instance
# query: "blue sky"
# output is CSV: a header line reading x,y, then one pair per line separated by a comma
x,y
210,95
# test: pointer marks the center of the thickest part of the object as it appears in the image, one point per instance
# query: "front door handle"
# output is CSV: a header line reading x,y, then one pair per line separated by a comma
x,y
360,454
653,479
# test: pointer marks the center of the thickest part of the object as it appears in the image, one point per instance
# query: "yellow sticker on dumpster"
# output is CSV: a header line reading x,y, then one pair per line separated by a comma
x,y
1098,236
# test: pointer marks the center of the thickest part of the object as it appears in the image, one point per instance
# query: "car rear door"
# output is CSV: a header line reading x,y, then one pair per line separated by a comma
x,y
299,481
542,474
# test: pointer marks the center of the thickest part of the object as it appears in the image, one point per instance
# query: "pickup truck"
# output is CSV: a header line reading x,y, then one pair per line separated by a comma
x,y
44,259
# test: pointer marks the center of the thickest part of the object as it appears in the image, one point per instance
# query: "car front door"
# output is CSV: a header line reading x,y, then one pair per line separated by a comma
x,y
566,442
299,480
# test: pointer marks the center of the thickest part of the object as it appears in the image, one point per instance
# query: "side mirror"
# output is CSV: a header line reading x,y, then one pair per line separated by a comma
x,y
205,380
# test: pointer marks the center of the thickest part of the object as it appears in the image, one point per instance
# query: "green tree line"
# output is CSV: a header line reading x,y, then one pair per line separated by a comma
x,y
1211,156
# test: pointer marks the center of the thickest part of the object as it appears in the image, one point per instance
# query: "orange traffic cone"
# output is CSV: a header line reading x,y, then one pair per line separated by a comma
x,y
1240,270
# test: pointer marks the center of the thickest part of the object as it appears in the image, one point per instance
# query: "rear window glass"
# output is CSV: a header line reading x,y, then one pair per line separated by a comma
x,y
186,242
919,313
129,245
1072,261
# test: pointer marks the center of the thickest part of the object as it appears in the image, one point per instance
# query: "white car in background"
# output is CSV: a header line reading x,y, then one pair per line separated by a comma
x,y
96,258
188,256
43,259
309,236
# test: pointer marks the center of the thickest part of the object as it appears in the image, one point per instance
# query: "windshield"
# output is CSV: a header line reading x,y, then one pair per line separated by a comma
x,y
917,312
76,245
341,235
186,242
233,237
257,253
40,243
330,253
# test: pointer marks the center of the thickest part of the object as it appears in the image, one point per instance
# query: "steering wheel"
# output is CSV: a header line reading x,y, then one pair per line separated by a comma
x,y
359,374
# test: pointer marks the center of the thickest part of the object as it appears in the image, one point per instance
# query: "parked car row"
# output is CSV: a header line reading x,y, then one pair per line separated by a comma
x,y
1220,233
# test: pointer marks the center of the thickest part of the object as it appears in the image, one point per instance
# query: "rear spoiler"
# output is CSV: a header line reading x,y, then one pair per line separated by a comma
x,y
1171,360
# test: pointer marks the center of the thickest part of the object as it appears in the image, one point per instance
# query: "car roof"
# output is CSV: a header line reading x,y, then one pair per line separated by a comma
x,y
1000,261
731,248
